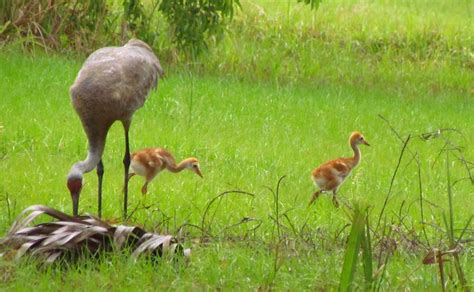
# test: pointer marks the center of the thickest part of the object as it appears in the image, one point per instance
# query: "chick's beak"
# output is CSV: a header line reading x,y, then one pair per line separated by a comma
x,y
365,143
198,172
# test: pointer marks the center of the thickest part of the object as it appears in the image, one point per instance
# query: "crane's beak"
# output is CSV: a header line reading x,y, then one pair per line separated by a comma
x,y
365,143
75,203
75,186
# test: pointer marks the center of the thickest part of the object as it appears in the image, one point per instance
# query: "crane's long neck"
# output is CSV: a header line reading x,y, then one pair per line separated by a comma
x,y
357,155
94,154
177,168
87,165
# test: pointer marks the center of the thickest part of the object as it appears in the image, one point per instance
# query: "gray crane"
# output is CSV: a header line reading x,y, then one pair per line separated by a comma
x,y
111,85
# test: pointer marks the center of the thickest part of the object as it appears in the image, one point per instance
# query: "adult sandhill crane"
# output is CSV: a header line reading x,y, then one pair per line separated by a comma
x,y
330,175
111,85
149,162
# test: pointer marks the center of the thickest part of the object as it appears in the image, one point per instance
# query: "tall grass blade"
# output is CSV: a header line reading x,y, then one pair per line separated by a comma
x,y
367,255
352,250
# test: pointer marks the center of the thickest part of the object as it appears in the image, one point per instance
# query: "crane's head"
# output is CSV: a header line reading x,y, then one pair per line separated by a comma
x,y
74,184
357,138
139,43
193,165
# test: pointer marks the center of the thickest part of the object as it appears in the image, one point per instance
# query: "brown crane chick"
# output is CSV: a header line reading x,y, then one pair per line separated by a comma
x,y
149,162
330,175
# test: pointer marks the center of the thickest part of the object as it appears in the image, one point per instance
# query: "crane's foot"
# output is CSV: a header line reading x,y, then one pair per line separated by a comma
x,y
144,189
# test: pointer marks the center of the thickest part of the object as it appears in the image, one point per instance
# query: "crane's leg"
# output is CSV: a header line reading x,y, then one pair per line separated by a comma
x,y
126,163
314,197
100,174
334,199
148,179
130,175
145,188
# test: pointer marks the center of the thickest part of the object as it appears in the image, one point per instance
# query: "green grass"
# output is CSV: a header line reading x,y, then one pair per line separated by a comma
x,y
370,44
246,135
277,97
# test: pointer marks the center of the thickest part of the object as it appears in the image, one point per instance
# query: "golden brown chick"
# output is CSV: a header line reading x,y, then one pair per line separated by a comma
x,y
149,162
330,175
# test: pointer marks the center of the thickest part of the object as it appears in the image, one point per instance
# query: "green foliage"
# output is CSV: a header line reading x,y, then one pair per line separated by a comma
x,y
195,22
138,21
314,3
83,25
78,24
133,13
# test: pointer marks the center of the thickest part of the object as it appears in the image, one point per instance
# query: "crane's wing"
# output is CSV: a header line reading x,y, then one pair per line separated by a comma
x,y
166,156
340,168
123,75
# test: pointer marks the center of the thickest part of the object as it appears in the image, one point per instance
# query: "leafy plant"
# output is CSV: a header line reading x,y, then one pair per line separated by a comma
x,y
138,20
195,22
86,24
75,24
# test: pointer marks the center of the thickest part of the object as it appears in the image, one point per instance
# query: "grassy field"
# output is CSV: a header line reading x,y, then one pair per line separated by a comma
x,y
370,44
249,123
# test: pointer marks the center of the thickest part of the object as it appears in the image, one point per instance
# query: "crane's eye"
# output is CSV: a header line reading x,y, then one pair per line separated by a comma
x,y
195,166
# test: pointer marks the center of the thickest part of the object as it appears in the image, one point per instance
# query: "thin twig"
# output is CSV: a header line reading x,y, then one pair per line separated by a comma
x,y
217,197
392,181
244,220
276,265
420,190
195,226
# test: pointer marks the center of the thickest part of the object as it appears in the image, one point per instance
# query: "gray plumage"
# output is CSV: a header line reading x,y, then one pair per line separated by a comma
x,y
111,85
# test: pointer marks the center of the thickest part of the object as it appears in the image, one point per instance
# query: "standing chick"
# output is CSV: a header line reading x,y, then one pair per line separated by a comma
x,y
149,162
330,175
